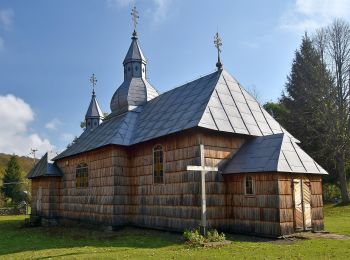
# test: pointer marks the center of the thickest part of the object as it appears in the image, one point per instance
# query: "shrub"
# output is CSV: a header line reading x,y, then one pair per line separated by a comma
x,y
214,236
331,193
193,237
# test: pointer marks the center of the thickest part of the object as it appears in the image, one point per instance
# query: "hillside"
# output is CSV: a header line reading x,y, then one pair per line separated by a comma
x,y
26,163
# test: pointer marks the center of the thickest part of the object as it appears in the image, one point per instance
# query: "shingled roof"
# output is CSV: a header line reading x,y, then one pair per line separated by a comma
x,y
216,101
272,153
45,167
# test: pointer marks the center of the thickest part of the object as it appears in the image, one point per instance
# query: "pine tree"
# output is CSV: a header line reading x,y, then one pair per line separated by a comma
x,y
308,101
12,187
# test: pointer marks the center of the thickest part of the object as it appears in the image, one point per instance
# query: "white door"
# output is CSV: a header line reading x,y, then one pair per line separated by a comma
x,y
307,203
302,205
298,206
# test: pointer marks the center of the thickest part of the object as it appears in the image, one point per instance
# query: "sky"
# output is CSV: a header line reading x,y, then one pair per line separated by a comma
x,y
49,49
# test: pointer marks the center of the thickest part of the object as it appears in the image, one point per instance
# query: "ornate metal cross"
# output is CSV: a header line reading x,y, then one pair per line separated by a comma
x,y
218,44
135,16
93,81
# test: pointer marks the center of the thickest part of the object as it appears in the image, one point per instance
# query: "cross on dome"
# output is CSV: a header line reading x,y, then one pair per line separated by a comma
x,y
218,44
93,81
135,17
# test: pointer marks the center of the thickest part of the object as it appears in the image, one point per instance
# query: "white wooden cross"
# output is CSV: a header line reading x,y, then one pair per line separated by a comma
x,y
203,169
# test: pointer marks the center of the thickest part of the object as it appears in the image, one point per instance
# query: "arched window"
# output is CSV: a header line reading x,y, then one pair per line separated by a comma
x,y
158,164
249,185
82,176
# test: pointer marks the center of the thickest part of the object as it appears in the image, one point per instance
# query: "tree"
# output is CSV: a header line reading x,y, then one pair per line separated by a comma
x,y
12,187
83,123
334,44
307,101
276,110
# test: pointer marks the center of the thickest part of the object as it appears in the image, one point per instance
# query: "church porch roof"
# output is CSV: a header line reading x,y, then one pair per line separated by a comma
x,y
272,153
45,168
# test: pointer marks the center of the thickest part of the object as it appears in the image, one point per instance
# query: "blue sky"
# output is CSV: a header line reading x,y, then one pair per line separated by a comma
x,y
49,49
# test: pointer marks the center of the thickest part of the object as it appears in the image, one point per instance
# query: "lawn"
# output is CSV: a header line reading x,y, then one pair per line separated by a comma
x,y
131,243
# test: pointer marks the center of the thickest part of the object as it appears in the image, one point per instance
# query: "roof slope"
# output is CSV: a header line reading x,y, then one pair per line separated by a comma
x,y
45,167
272,153
94,109
215,101
134,52
232,109
116,130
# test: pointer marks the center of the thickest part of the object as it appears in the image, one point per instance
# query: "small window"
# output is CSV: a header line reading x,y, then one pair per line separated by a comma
x,y
82,176
158,164
136,68
249,185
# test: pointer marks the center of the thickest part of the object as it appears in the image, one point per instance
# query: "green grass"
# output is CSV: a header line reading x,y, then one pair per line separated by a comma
x,y
131,243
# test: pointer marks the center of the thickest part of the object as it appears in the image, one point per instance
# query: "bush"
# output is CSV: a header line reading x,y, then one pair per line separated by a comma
x,y
214,236
331,193
195,239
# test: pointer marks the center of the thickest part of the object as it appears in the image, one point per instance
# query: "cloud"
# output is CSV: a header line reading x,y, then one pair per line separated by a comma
x,y
159,9
6,17
119,3
311,14
15,137
53,124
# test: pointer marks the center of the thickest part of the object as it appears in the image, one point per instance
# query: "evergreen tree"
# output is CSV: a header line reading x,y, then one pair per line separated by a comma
x,y
308,101
12,187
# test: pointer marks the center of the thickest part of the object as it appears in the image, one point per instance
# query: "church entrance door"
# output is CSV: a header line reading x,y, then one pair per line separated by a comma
x,y
302,204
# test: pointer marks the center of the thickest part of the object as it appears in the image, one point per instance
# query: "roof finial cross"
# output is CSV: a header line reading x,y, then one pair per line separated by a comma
x,y
135,17
218,44
93,81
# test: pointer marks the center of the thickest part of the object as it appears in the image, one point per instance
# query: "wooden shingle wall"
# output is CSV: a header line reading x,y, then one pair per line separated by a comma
x,y
46,196
175,204
286,202
121,189
258,213
96,203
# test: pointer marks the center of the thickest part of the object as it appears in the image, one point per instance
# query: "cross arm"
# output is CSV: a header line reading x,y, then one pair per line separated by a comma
x,y
202,168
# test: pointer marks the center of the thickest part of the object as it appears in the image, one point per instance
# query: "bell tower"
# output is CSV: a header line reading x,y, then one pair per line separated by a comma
x,y
135,90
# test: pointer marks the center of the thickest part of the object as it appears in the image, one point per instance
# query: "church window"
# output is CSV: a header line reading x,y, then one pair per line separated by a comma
x,y
158,164
82,176
128,68
136,68
249,185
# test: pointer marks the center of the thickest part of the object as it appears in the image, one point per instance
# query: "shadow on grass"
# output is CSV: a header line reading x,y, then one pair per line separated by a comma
x,y
14,239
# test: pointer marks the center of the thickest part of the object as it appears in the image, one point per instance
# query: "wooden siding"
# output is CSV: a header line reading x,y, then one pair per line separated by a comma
x,y
258,213
46,192
121,189
286,202
108,177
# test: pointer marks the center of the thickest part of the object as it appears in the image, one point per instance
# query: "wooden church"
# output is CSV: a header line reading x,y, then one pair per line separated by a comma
x,y
203,154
